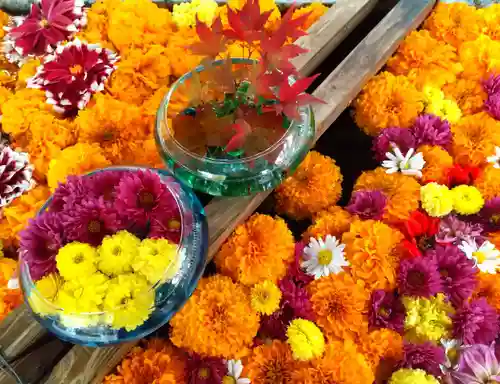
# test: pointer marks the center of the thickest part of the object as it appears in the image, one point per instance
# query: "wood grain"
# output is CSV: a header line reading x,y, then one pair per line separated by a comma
x,y
86,365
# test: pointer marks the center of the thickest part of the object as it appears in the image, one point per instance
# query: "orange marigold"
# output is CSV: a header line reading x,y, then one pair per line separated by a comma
x,y
475,138
148,155
491,19
402,192
75,160
480,57
386,101
258,250
454,23
494,237
114,125
434,77
4,21
339,304
5,94
489,288
437,161
332,221
27,70
270,364
9,298
341,364
488,183
468,94
315,10
157,361
315,185
217,320
41,154
181,59
96,29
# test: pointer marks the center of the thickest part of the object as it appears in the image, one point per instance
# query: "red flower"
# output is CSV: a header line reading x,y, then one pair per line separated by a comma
x,y
458,175
419,231
48,23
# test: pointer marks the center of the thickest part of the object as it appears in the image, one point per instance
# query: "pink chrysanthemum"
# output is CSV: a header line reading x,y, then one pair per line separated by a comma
x,y
426,356
492,85
72,74
431,130
392,136
368,205
386,311
478,364
15,174
490,215
475,323
49,23
205,370
166,227
492,105
103,184
452,230
74,190
419,277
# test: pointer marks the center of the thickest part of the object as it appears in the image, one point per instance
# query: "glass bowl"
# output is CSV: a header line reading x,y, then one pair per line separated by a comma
x,y
230,177
93,329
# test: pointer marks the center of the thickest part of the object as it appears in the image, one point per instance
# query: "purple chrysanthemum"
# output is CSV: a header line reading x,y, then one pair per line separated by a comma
x,y
431,130
386,311
426,356
40,242
477,365
452,230
274,326
490,215
492,85
103,184
142,196
400,137
475,323
295,273
458,273
90,221
492,105
205,370
367,204
73,191
419,277
164,227
296,298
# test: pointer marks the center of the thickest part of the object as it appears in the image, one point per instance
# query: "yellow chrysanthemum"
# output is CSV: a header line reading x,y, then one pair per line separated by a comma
x,y
117,253
332,221
412,376
467,200
87,292
265,297
432,95
491,18
305,339
480,57
40,299
446,109
468,94
437,161
157,260
427,318
437,200
185,14
76,260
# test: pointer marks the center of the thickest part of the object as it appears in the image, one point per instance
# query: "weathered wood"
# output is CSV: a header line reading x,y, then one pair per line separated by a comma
x,y
86,365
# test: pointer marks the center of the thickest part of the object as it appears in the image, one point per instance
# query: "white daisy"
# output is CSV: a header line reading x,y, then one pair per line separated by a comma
x,y
234,369
495,159
486,257
13,283
410,164
452,349
324,257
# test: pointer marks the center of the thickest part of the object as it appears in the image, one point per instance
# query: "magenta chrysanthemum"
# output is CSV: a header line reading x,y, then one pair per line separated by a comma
x,y
419,277
452,230
74,190
490,215
72,74
475,323
458,273
104,184
40,242
426,356
15,174
389,137
166,227
367,204
492,105
386,311
431,130
296,298
477,365
49,23
205,370
295,273
492,85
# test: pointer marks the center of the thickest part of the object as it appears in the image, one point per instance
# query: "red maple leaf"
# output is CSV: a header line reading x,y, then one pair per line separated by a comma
x,y
247,23
292,27
212,40
242,129
275,55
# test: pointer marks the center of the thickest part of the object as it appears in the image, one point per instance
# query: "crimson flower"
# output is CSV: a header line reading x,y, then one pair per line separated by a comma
x,y
419,231
459,175
49,23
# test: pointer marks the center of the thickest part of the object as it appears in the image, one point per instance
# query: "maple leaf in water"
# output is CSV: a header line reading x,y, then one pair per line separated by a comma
x,y
241,131
247,23
212,40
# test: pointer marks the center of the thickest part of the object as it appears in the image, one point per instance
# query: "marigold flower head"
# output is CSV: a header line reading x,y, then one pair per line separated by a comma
x,y
480,57
387,101
258,250
4,21
340,305
437,161
369,245
332,221
469,94
412,376
488,288
467,200
437,199
265,297
218,320
446,109
435,76
182,60
383,348
488,183
315,185
305,339
402,192
315,10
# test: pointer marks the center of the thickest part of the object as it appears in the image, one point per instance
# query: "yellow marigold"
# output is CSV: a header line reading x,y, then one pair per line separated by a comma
x,y
436,77
437,160
480,57
402,192
305,339
386,101
270,364
316,10
75,160
446,109
265,297
217,320
468,94
114,125
341,363
332,221
437,200
488,183
315,185
181,59
488,287
27,70
491,19
185,14
5,94
156,361
258,250
369,244
412,376
45,127
339,304
41,154
4,21
454,23
148,155
96,29
475,138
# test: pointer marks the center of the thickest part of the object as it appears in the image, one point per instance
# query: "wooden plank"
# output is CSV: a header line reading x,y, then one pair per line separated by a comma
x,y
84,365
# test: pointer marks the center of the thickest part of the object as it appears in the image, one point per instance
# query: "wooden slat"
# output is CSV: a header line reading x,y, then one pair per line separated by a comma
x,y
84,365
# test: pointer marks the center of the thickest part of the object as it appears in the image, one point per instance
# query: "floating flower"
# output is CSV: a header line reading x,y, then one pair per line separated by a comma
x,y
431,130
265,297
15,175
478,365
412,376
117,252
367,205
476,322
467,200
270,364
305,339
488,287
452,230
324,257
388,138
485,256
419,277
83,294
409,164
332,221
218,319
46,292
437,162
419,231
260,249
67,195
386,311
76,260
71,75
156,260
437,200
425,356
205,370
315,185
234,370
495,159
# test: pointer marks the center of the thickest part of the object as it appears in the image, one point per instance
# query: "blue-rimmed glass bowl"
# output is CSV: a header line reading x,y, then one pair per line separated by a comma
x,y
219,176
93,329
